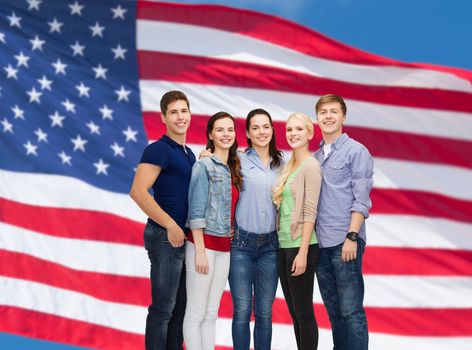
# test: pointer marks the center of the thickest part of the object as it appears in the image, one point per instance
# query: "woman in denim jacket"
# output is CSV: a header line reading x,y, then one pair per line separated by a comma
x,y
255,246
213,193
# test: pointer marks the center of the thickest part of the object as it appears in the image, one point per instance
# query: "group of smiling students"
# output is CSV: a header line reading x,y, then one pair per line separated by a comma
x,y
249,217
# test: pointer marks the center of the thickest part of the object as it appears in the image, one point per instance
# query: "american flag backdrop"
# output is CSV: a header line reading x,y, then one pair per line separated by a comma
x,y
80,84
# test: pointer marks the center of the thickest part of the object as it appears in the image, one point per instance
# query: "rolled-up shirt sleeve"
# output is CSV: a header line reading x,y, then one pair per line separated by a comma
x,y
362,180
198,197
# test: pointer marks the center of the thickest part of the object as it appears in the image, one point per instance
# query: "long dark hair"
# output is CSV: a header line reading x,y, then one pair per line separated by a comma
x,y
233,159
274,153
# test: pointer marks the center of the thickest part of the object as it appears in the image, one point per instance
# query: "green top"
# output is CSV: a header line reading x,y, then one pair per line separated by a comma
x,y
286,208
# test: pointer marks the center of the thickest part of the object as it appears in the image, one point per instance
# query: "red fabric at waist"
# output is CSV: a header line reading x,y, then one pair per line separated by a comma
x,y
220,244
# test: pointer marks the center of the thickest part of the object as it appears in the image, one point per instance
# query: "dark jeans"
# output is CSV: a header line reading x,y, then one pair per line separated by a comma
x,y
166,313
342,289
298,293
253,265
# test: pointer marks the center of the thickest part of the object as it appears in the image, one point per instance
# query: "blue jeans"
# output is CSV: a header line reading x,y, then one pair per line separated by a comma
x,y
253,266
342,289
166,313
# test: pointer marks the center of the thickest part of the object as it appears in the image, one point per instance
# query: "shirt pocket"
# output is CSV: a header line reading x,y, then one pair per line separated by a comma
x,y
216,183
337,172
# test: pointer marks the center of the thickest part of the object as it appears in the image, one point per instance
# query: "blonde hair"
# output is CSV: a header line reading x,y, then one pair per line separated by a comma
x,y
282,180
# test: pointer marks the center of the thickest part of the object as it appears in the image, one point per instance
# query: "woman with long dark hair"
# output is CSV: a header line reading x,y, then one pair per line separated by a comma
x,y
253,271
213,192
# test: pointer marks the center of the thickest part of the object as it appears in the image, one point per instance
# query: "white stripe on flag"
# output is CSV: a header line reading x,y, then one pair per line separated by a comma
x,y
209,99
200,41
64,303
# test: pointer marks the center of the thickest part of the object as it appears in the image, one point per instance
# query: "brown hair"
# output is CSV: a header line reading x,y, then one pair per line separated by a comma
x,y
328,99
172,96
233,160
274,153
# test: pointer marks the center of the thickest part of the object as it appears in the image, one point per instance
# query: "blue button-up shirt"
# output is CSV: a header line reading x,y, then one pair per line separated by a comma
x,y
255,211
347,180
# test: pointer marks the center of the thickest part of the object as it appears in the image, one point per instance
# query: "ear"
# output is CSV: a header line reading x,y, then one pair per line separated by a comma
x,y
247,134
163,118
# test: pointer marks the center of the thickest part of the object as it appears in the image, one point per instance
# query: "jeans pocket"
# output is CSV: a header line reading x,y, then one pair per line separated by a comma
x,y
274,241
155,236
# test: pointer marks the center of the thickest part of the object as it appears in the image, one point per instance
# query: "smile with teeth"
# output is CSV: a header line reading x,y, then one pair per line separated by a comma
x,y
181,124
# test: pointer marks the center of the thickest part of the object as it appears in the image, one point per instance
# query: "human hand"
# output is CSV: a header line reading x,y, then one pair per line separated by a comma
x,y
205,153
201,262
175,235
349,250
299,265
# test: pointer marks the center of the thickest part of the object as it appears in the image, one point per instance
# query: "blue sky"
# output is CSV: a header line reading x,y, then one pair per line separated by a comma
x,y
428,31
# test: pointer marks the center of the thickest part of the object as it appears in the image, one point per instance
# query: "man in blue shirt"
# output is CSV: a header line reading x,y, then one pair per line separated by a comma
x,y
166,167
344,204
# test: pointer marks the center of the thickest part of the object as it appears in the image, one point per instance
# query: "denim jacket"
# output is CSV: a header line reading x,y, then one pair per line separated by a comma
x,y
209,197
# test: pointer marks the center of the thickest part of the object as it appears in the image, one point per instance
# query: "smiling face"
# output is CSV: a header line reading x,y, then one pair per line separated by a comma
x,y
298,132
260,131
331,119
177,118
223,133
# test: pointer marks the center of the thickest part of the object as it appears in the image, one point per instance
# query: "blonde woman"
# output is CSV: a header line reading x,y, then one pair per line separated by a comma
x,y
296,195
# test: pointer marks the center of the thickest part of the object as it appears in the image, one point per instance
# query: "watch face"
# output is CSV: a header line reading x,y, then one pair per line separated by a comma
x,y
352,236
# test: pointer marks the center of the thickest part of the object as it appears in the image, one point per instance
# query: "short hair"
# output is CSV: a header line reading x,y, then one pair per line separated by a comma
x,y
172,96
328,99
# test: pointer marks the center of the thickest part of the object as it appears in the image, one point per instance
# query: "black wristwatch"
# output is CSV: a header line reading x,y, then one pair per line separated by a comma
x,y
352,236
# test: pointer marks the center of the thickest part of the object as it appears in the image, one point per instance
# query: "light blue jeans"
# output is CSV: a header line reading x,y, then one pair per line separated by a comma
x,y
253,268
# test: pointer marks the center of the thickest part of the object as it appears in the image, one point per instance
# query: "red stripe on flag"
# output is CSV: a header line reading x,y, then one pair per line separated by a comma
x,y
60,329
276,30
72,223
400,321
407,202
114,288
417,261
413,147
212,71
102,286
381,143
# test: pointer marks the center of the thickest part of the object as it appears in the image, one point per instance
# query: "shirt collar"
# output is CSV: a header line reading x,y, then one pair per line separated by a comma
x,y
216,160
254,158
172,143
338,143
